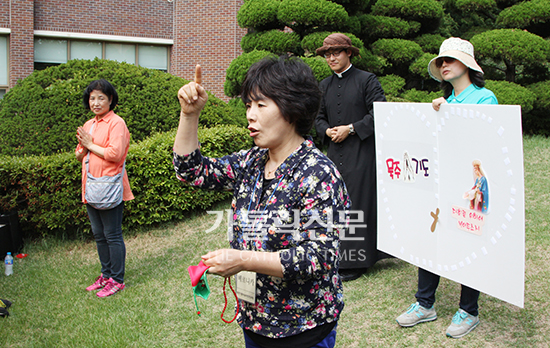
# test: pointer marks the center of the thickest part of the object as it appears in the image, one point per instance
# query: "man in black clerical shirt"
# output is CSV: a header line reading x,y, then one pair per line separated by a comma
x,y
345,121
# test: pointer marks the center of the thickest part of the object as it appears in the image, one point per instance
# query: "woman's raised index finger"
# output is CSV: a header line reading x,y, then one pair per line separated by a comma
x,y
198,74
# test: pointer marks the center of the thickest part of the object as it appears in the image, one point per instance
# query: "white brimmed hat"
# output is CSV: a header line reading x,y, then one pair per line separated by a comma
x,y
456,48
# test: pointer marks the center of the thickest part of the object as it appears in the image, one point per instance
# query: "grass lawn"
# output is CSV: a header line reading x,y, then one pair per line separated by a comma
x,y
52,309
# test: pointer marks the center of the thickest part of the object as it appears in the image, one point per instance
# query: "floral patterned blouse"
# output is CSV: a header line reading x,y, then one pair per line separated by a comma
x,y
300,215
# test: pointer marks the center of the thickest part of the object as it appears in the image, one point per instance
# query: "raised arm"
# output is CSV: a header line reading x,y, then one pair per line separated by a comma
x,y
192,99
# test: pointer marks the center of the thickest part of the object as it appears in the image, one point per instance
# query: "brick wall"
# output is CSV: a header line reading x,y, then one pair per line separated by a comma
x,y
140,18
4,14
207,34
204,32
21,40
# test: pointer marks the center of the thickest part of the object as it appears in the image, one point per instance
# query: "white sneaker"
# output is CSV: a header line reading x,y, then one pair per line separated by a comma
x,y
462,324
416,314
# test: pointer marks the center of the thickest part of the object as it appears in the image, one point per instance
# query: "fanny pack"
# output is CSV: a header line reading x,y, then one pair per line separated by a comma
x,y
104,192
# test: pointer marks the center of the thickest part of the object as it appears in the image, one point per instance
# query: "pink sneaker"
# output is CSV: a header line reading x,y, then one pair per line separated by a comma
x,y
100,282
110,288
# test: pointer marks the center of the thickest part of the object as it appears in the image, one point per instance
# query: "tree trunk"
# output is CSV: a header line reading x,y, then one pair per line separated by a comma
x,y
510,71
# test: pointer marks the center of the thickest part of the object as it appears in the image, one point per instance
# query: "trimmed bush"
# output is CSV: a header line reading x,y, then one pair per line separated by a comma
x,y
513,47
376,27
238,106
303,15
259,14
236,72
40,115
420,66
353,25
392,84
542,92
509,93
475,5
319,66
46,190
427,12
275,41
310,43
369,62
430,42
416,96
448,26
538,120
355,6
532,15
398,51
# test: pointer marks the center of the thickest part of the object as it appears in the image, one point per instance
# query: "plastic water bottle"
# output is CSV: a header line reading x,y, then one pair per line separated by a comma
x,y
8,262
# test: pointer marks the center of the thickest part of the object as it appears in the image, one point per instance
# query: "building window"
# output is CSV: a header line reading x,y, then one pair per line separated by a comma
x,y
154,57
3,65
86,49
121,52
48,52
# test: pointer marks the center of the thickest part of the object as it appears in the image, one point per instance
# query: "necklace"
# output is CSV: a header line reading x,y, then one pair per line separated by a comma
x,y
270,172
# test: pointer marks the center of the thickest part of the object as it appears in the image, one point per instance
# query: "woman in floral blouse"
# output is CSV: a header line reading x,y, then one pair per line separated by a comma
x,y
289,207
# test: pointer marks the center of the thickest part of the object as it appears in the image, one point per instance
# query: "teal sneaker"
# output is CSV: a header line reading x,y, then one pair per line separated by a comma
x,y
462,324
416,314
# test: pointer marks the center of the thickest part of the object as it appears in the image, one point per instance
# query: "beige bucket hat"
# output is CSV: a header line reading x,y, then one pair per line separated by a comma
x,y
456,48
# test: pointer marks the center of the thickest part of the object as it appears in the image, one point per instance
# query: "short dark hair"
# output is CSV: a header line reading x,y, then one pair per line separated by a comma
x,y
105,87
290,83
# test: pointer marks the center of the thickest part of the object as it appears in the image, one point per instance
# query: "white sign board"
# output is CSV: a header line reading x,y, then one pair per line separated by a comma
x,y
451,193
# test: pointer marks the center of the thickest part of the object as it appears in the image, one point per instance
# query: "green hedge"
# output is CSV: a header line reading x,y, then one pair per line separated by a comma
x,y
319,67
509,93
533,15
420,65
236,72
430,42
353,25
392,85
538,122
398,51
259,14
46,190
475,5
310,43
427,12
374,27
276,41
415,96
40,115
303,16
